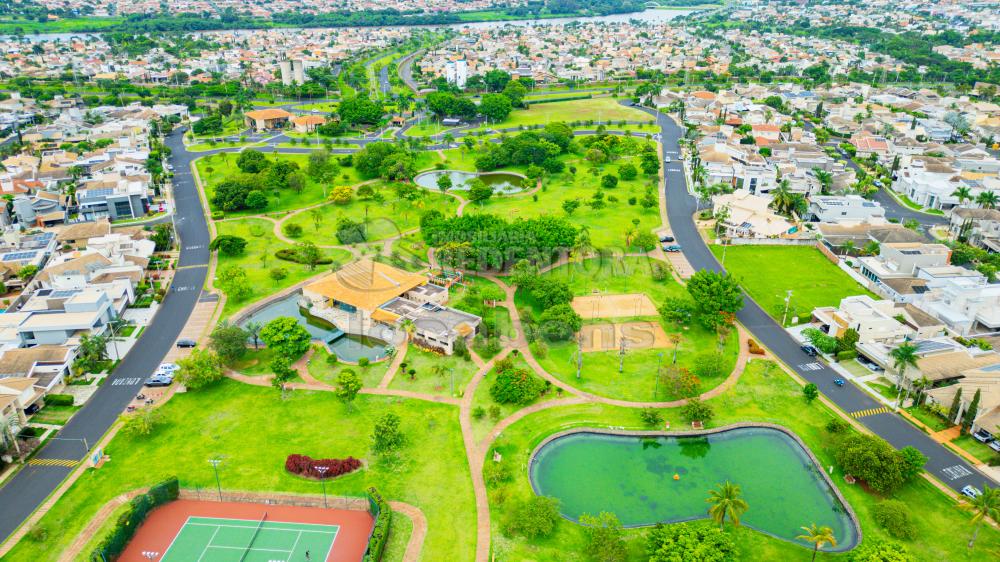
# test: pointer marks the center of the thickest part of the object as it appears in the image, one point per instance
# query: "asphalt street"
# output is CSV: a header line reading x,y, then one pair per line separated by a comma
x,y
948,467
28,488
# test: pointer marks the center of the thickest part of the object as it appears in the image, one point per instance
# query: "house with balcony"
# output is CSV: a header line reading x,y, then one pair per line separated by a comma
x,y
980,227
750,216
846,210
873,320
985,380
375,299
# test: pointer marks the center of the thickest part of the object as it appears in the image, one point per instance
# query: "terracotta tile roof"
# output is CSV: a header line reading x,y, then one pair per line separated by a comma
x,y
272,113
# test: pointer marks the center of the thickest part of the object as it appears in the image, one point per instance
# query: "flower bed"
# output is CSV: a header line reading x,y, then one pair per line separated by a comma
x,y
303,465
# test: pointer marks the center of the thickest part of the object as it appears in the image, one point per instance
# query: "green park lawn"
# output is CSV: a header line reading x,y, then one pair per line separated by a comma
x,y
767,272
595,109
390,218
254,430
258,260
428,128
324,106
637,381
231,125
215,168
426,379
607,225
764,393
460,159
321,369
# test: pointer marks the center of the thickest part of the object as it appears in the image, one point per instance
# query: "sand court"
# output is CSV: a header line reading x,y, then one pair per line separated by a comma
x,y
638,335
613,306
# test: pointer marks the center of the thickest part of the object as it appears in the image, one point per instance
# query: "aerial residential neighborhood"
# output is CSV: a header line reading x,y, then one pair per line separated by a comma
x,y
500,281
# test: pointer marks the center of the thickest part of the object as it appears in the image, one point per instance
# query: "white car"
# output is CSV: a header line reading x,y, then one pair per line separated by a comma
x,y
666,159
971,491
995,445
167,368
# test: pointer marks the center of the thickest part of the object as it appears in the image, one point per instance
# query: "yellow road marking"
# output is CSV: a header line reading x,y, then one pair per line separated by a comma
x,y
68,463
871,412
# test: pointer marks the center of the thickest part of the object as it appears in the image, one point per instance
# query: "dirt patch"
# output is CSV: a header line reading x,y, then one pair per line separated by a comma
x,y
638,335
614,306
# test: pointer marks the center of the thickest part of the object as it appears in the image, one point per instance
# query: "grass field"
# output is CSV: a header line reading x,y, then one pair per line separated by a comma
x,y
392,217
214,168
596,109
981,451
321,369
767,272
258,260
255,430
433,373
324,106
637,381
764,393
607,225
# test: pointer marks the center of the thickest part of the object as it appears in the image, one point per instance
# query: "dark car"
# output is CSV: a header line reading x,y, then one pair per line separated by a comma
x,y
809,350
666,238
159,380
671,248
186,343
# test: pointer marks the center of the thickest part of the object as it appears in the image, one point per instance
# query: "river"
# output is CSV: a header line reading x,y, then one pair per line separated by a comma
x,y
651,16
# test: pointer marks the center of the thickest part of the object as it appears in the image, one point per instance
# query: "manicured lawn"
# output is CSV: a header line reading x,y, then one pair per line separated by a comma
x,y
231,125
412,247
55,415
326,107
426,380
214,168
257,362
324,371
981,451
428,128
764,393
884,388
637,380
258,260
596,109
460,159
254,430
392,217
607,225
767,272
928,418
206,146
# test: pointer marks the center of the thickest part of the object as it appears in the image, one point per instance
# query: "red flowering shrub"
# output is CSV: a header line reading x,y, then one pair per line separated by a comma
x,y
304,465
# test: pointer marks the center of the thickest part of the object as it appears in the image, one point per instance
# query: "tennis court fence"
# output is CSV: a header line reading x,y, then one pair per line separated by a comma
x,y
301,500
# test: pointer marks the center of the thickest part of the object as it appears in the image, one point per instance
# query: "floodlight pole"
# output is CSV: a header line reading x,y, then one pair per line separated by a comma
x,y
215,465
656,380
322,479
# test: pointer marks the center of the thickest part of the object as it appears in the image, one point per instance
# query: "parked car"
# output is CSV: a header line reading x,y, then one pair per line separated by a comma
x,y
671,248
186,343
982,436
167,368
666,238
995,445
971,491
32,409
159,380
809,350
666,159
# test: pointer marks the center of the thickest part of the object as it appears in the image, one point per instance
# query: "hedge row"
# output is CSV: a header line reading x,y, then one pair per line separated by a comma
x,y
59,400
304,465
380,509
125,527
290,254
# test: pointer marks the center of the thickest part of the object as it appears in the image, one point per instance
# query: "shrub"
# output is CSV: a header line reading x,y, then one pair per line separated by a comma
x,y
709,364
218,215
515,386
479,412
755,348
383,524
135,513
292,255
836,425
38,533
821,341
59,400
533,517
882,551
696,410
304,465
292,230
846,355
894,517
651,417
363,362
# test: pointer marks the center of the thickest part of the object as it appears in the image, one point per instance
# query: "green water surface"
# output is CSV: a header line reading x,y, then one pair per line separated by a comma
x,y
633,477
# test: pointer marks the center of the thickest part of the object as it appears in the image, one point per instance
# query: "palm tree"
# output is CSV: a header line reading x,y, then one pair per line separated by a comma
x,y
253,330
987,200
8,427
818,536
782,198
982,506
824,178
902,357
921,385
871,248
409,327
847,247
963,194
726,501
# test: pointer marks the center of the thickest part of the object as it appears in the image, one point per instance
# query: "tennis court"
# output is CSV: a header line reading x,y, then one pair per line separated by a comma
x,y
211,539
187,530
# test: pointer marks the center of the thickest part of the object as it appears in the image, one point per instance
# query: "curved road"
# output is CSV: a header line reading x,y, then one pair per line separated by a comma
x,y
948,467
23,493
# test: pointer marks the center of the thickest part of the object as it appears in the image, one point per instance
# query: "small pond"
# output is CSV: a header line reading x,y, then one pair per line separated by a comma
x,y
504,183
349,347
633,477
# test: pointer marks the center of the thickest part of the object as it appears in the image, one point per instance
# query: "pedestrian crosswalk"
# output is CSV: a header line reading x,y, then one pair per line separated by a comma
x,y
871,412
67,463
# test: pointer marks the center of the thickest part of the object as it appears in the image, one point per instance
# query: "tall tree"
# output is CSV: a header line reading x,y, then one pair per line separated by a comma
x,y
970,414
717,297
982,506
903,356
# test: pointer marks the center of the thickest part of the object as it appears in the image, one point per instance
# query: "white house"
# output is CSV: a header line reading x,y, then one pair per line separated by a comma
x,y
847,209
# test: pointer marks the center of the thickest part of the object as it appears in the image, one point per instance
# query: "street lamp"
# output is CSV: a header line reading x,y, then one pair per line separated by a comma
x,y
215,465
452,371
656,380
322,474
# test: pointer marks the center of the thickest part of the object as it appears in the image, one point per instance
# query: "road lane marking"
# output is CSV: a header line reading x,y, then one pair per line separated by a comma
x,y
192,266
956,472
66,463
871,412
128,381
810,366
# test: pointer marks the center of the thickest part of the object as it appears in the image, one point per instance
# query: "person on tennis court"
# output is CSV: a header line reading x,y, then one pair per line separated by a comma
x,y
308,558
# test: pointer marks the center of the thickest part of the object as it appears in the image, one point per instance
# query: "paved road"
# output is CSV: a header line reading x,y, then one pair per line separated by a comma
x,y
945,465
405,70
28,489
